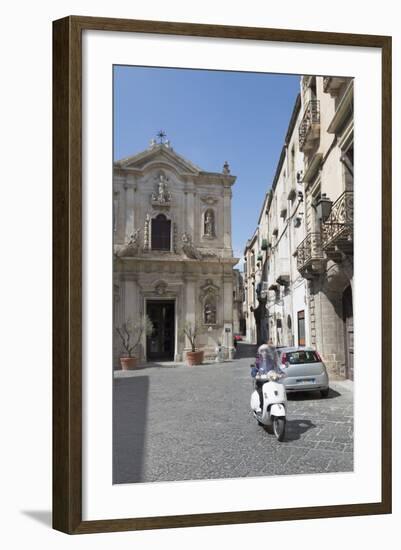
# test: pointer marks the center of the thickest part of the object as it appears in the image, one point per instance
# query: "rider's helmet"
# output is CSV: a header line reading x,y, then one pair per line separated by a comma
x,y
267,355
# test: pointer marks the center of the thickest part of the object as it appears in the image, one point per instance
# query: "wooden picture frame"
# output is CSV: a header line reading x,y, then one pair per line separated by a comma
x,y
67,273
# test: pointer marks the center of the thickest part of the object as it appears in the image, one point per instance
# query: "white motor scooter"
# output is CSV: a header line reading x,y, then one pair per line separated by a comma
x,y
272,413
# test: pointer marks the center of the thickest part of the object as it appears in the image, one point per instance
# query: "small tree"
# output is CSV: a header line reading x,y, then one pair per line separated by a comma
x,y
191,331
131,333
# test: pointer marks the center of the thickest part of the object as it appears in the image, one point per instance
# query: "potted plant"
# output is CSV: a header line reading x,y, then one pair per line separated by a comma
x,y
130,335
195,356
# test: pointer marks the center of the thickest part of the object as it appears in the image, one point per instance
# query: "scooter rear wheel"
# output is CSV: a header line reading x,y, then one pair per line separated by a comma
x,y
279,427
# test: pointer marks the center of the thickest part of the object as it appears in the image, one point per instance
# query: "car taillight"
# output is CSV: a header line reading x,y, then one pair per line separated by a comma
x,y
283,359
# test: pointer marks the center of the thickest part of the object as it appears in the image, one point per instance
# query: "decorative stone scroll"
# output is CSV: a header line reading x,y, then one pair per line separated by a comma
x,y
188,247
190,250
209,199
130,248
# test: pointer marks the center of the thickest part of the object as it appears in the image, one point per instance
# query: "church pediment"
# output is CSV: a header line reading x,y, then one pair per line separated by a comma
x,y
158,156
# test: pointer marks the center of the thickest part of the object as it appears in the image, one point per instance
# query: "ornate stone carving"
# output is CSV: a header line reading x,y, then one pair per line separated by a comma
x,y
130,248
226,168
162,196
174,237
161,288
146,233
209,199
208,253
188,248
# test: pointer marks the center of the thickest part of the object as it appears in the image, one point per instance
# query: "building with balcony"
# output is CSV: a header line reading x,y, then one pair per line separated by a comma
x,y
238,300
325,256
251,276
279,311
300,258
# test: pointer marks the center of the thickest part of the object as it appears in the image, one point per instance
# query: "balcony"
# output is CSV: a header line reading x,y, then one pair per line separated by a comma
x,y
283,272
337,229
332,84
310,257
309,129
292,191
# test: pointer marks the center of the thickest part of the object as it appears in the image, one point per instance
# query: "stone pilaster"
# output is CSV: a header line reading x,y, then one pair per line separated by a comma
x,y
130,189
227,217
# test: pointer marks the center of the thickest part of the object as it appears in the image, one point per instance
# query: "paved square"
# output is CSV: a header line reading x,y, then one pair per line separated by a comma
x,y
175,422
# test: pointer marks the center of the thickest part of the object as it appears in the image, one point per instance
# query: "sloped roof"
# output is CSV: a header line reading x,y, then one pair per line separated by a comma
x,y
155,153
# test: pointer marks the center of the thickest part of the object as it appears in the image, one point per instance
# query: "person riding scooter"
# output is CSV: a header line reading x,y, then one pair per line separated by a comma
x,y
266,360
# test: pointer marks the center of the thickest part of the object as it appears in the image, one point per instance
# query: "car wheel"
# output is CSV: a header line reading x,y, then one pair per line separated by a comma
x,y
325,393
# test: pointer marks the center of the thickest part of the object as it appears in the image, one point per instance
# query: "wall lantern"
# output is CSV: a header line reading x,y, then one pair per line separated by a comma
x,y
323,207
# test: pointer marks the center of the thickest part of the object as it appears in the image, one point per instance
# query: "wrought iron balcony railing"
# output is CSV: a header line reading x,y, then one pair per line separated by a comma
x,y
310,256
337,229
309,129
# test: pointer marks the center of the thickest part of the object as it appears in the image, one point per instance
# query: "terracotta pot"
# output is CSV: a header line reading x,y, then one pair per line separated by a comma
x,y
128,363
194,358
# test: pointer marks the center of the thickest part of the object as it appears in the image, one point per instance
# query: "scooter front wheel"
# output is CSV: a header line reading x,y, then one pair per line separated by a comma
x,y
279,427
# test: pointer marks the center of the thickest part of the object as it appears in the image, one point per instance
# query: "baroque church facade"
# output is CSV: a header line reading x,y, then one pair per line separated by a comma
x,y
173,259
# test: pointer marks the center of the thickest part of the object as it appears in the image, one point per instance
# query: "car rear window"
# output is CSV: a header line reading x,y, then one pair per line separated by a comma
x,y
303,356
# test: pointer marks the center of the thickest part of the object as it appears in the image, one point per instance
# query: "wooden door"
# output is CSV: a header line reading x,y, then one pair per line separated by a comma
x,y
160,344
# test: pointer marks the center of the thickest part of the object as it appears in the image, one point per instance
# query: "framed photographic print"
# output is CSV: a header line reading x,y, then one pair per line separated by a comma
x,y
222,275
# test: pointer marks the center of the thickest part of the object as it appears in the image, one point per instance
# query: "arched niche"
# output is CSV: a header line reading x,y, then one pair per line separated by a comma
x,y
209,223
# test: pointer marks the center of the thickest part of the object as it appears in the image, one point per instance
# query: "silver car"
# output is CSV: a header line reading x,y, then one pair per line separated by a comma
x,y
304,370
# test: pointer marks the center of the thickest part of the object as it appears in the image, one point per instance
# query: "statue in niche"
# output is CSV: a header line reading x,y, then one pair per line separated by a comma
x,y
209,224
162,196
210,312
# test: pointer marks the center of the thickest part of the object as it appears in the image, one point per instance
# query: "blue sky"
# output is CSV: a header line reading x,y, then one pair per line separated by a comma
x,y
210,117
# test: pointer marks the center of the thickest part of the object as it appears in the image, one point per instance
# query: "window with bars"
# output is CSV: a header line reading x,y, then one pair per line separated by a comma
x,y
161,233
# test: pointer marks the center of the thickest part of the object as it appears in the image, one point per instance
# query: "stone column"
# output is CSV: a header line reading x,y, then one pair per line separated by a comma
x,y
227,217
228,305
117,218
190,213
190,303
130,188
132,307
190,309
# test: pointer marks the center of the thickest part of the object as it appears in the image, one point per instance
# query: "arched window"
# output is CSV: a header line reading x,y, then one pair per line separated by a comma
x,y
161,233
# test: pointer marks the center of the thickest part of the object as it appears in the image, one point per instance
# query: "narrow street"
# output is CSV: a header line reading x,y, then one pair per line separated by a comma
x,y
173,422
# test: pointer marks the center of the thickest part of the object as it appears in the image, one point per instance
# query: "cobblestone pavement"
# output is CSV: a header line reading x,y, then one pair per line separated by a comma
x,y
174,422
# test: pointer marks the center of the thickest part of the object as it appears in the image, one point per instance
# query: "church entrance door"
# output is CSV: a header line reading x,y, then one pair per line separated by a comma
x,y
160,344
